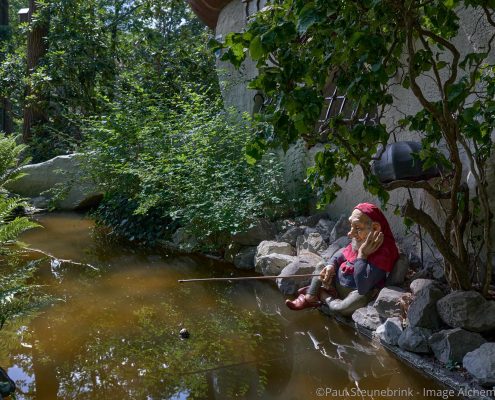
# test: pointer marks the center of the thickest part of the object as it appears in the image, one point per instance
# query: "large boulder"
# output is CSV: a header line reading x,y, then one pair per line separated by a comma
x,y
62,173
398,273
267,247
388,302
340,229
303,264
290,236
310,243
454,344
481,364
415,340
273,264
340,243
261,230
244,259
367,317
467,310
422,311
390,331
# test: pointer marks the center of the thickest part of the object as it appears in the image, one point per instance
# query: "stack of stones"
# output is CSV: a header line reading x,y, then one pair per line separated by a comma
x,y
455,328
289,247
452,327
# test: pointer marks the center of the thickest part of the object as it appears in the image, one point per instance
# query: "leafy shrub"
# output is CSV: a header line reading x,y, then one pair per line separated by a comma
x,y
17,296
181,164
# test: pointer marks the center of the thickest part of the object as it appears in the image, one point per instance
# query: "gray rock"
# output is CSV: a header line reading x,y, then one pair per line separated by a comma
x,y
438,272
63,173
262,230
291,235
324,228
398,273
415,340
308,230
390,331
454,344
244,259
231,251
270,247
283,225
311,220
422,311
273,264
341,228
481,364
418,284
388,304
434,264
467,310
310,243
183,240
367,317
414,261
340,243
303,264
40,202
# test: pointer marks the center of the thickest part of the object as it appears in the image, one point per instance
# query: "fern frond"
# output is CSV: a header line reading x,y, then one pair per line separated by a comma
x,y
7,206
10,153
11,230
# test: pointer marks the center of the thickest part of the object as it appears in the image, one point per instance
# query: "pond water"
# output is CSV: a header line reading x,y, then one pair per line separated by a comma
x,y
114,333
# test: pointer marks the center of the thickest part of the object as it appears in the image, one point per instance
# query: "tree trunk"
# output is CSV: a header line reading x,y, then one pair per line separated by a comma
x,y
34,112
5,106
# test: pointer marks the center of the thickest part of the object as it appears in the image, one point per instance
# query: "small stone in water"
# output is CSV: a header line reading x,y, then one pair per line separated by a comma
x,y
184,333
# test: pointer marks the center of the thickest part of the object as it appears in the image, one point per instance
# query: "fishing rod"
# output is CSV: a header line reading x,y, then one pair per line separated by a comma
x,y
242,278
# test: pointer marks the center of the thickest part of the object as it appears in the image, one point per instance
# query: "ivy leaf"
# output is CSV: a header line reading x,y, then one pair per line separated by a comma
x,y
307,17
441,64
449,3
256,48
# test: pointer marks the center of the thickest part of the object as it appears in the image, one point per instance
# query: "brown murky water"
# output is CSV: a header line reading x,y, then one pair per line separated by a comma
x,y
114,334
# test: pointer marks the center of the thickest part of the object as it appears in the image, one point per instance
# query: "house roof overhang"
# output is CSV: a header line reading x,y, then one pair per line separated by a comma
x,y
208,10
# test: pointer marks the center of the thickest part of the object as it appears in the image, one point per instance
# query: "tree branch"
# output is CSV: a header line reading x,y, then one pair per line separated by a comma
x,y
455,54
425,185
423,219
489,17
412,78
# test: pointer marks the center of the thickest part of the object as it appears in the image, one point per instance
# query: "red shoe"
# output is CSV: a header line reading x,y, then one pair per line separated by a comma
x,y
301,303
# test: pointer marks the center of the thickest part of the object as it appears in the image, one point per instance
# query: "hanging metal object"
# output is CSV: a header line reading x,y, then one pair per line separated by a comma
x,y
398,163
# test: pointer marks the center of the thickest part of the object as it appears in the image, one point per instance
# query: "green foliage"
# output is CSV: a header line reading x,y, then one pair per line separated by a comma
x,y
17,296
180,164
97,51
368,49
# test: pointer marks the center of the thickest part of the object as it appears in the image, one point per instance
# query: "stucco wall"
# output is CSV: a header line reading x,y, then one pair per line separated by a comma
x,y
472,34
233,83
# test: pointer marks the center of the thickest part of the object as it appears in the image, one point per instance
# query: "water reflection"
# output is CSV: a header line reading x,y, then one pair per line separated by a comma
x,y
116,335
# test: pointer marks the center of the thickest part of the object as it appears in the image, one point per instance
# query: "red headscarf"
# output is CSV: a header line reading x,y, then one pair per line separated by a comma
x,y
387,254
